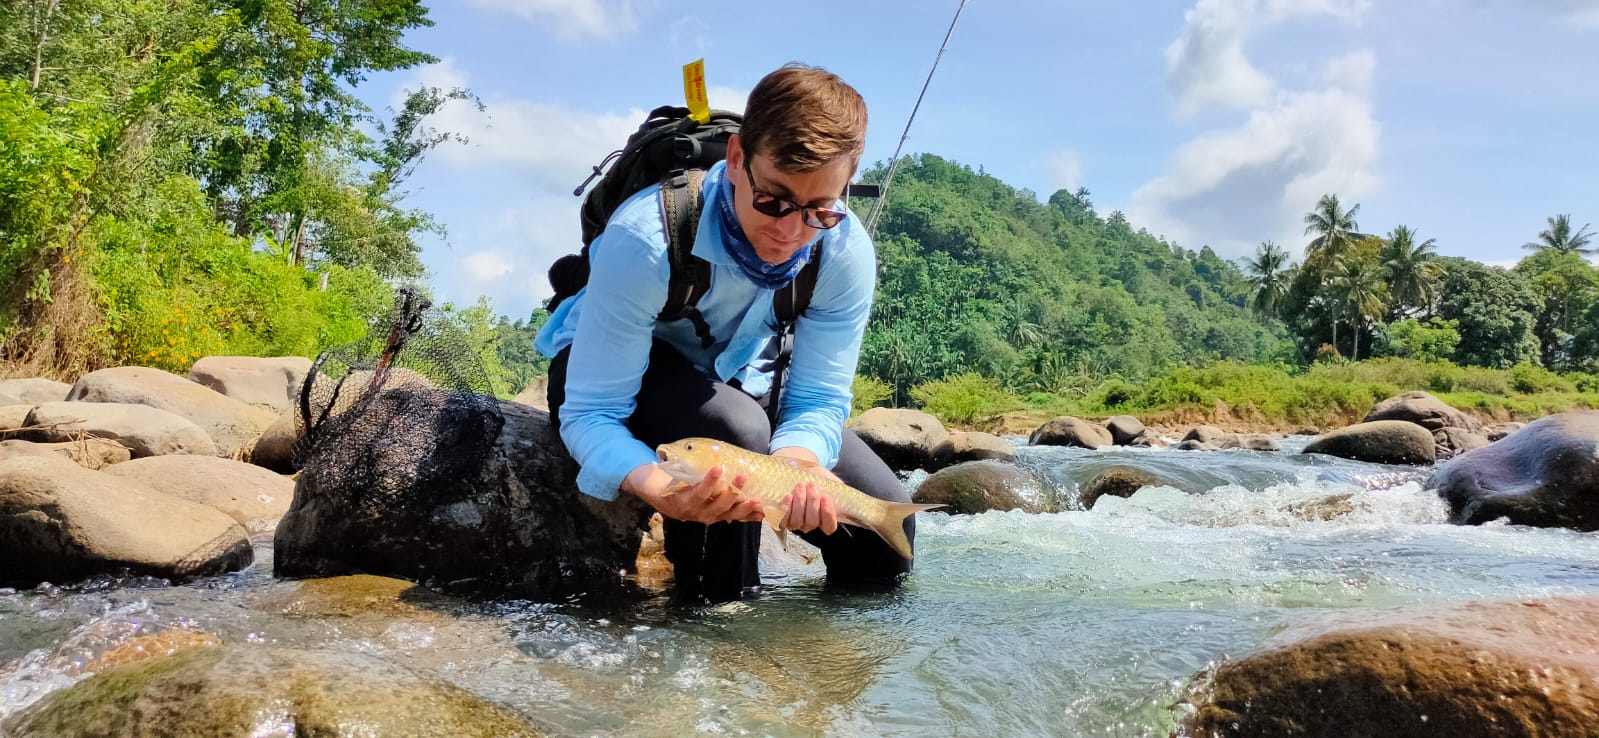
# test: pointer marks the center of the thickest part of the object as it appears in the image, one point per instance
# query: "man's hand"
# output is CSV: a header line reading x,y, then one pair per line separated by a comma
x,y
807,508
713,500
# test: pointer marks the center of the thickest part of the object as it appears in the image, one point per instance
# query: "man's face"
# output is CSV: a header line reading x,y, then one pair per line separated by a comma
x,y
776,239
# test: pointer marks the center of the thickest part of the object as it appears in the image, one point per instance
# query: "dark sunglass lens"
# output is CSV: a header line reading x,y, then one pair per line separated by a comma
x,y
824,219
772,207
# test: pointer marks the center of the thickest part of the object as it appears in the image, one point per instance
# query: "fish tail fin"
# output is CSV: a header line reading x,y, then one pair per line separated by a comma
x,y
891,525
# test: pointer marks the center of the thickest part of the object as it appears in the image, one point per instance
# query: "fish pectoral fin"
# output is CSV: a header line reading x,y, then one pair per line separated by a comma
x,y
782,536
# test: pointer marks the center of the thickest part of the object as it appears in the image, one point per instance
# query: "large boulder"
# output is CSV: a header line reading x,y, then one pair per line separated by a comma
x,y
253,496
979,486
1206,434
1069,431
32,391
905,439
964,446
60,522
12,417
1546,475
269,382
1424,410
1124,429
230,423
456,490
89,453
145,430
1477,670
274,449
1379,442
247,690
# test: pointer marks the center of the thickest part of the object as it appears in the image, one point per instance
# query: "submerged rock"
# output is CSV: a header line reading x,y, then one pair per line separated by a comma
x,y
60,522
1422,409
1069,431
963,446
244,690
979,486
1546,475
1379,442
1478,670
1117,481
456,491
905,439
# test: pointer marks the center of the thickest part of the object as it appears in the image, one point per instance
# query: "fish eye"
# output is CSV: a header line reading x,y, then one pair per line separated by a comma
x,y
689,445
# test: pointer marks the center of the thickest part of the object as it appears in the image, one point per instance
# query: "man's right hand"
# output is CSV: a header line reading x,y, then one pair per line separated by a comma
x,y
713,500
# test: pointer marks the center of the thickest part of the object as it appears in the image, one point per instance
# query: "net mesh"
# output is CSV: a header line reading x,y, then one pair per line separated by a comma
x,y
400,421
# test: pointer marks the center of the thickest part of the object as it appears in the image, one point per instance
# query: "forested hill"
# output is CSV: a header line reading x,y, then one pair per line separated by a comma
x,y
978,276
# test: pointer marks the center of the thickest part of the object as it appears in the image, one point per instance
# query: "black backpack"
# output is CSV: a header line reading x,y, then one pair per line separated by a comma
x,y
673,150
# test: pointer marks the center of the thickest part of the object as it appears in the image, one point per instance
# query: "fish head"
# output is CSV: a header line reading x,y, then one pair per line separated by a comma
x,y
690,459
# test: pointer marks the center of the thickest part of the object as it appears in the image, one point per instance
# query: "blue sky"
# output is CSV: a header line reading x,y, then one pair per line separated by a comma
x,y
1211,122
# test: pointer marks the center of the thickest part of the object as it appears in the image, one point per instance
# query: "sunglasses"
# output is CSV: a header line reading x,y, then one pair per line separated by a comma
x,y
773,206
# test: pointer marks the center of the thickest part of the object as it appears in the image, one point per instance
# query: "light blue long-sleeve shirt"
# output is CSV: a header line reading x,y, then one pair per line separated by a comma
x,y
611,323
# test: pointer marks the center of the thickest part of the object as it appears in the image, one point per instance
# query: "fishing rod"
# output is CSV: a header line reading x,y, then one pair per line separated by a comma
x,y
882,197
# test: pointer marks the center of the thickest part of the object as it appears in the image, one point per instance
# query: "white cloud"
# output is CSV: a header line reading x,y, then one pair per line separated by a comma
x,y
1206,67
487,266
1235,188
572,20
1065,170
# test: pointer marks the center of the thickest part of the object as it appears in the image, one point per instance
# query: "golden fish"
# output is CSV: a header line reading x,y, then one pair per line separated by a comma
x,y
772,478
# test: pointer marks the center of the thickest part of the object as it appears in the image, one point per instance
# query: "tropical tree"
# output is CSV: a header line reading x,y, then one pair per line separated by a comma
x,y
1271,275
1334,227
1358,288
1412,270
1559,237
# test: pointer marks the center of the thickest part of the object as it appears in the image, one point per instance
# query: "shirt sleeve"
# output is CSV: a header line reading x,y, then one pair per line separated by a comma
x,y
610,352
827,346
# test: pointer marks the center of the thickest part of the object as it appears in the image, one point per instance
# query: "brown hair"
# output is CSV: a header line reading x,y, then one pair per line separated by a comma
x,y
806,118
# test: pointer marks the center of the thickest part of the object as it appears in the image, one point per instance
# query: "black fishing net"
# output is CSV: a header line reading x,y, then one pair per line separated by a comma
x,y
401,420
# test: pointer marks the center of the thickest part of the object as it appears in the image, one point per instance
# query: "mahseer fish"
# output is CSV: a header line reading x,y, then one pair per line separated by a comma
x,y
772,478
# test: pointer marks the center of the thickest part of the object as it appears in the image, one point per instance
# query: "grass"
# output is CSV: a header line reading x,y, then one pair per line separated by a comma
x,y
1267,398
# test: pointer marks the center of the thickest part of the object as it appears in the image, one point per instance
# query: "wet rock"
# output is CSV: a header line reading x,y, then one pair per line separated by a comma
x,y
1148,439
1378,442
272,383
32,391
249,494
1545,475
1479,670
1117,481
1503,430
1424,410
1321,509
1206,434
236,690
158,645
230,423
905,439
1309,430
274,449
1124,429
89,453
1069,431
963,446
145,430
979,486
60,522
1195,445
1453,442
435,488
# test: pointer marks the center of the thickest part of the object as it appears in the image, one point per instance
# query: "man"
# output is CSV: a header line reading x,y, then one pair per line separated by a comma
x,y
623,382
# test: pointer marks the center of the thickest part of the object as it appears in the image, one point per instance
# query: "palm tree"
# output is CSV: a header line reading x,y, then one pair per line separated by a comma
x,y
1358,288
1412,269
1271,274
1558,237
1334,228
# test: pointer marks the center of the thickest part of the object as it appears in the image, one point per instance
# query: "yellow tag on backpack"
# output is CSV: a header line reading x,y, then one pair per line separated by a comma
x,y
699,106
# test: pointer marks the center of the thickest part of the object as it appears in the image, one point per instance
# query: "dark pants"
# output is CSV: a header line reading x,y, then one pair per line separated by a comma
x,y
719,561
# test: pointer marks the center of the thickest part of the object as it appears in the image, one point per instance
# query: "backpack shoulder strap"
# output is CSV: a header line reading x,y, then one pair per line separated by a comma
x,y
790,302
681,200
